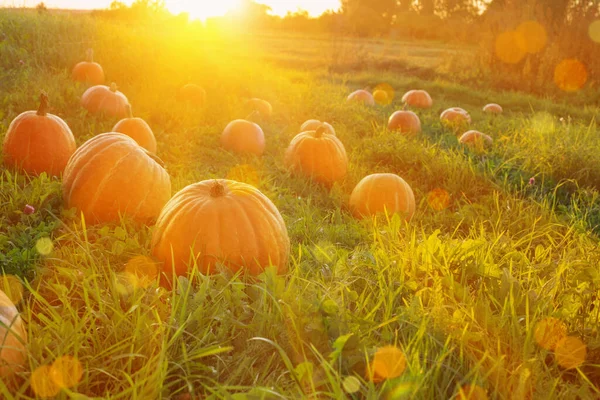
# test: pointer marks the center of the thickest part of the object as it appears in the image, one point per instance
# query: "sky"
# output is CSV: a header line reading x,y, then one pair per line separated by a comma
x,y
196,8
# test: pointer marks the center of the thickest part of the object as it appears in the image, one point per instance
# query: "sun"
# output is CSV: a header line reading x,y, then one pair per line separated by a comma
x,y
202,9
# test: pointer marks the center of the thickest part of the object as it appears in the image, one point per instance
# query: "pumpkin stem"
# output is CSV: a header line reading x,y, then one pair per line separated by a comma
x,y
43,109
129,112
217,189
154,157
320,131
113,87
89,55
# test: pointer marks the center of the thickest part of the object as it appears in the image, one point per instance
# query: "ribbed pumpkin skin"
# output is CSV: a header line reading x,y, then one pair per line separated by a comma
x,y
102,99
378,192
314,124
362,96
111,174
243,137
88,72
192,93
320,156
263,107
406,122
38,143
240,228
138,130
13,338
417,99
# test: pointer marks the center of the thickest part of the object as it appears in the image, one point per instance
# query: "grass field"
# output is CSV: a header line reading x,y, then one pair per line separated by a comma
x,y
461,291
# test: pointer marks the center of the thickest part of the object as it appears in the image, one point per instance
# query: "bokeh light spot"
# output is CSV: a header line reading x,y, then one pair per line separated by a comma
x,y
570,352
471,392
381,97
570,75
12,287
548,332
533,35
44,246
42,383
144,269
594,31
389,362
351,384
66,371
125,283
389,91
510,47
244,173
438,199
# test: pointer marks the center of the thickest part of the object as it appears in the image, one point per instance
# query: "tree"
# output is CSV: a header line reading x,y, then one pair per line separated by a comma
x,y
368,17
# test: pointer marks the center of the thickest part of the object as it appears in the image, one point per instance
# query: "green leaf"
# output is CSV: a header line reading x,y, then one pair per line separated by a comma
x,y
338,347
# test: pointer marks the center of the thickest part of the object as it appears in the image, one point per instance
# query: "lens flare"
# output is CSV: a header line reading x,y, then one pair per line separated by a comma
x,y
351,384
594,31
570,352
66,371
144,269
510,47
381,97
570,75
471,392
533,35
44,246
389,91
389,362
42,383
438,199
548,332
12,287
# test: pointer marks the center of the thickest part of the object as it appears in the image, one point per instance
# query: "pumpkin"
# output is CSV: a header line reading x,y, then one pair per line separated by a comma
x,y
101,99
138,130
476,140
493,108
319,155
223,221
314,124
38,142
111,175
243,137
406,122
262,107
88,71
13,338
455,116
417,99
193,94
362,96
382,192
381,97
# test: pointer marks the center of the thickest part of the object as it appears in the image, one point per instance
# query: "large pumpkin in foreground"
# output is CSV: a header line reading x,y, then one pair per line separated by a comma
x,y
243,137
111,175
38,142
13,338
382,192
319,155
138,130
106,100
222,221
88,71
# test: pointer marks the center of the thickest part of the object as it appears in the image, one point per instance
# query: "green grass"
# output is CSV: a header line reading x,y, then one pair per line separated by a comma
x,y
459,291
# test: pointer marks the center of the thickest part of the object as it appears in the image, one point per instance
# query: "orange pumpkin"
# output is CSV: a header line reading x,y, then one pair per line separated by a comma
x,y
221,221
88,71
406,122
382,192
319,155
13,338
362,96
38,142
455,116
476,140
243,137
493,108
138,130
106,100
262,107
417,99
193,94
111,175
314,124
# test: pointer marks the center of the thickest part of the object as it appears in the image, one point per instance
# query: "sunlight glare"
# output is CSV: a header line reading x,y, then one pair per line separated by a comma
x,y
203,9
570,352
594,31
570,75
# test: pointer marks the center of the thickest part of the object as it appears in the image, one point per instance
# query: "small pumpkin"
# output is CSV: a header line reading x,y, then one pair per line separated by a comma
x,y
476,140
455,116
417,99
193,94
381,97
262,107
13,338
377,193
223,221
243,137
38,142
362,96
101,99
493,108
111,175
314,124
319,155
138,130
88,71
406,122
